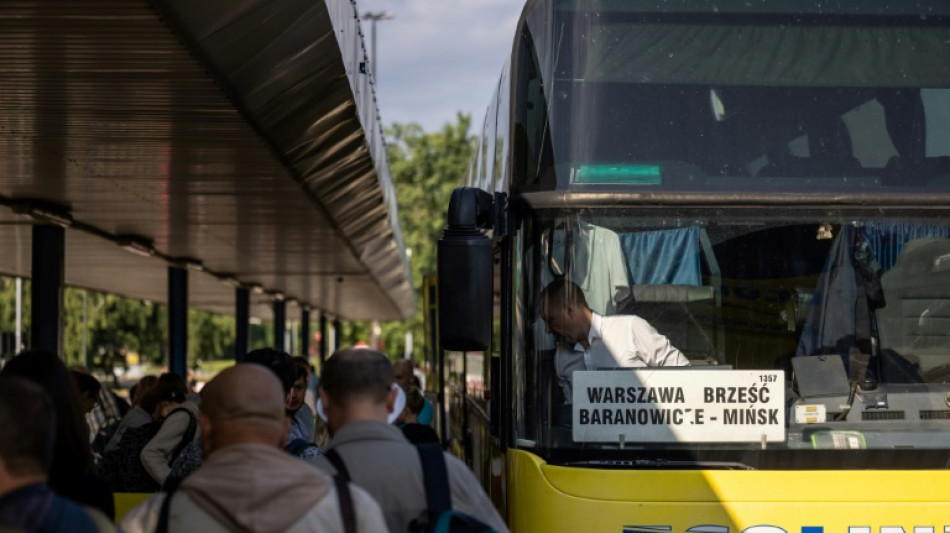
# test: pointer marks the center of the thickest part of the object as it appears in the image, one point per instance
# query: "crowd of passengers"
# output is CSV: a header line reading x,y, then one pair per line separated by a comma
x,y
246,454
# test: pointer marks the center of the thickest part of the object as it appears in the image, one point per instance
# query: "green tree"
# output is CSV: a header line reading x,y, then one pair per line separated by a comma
x,y
8,307
210,336
354,332
426,167
110,326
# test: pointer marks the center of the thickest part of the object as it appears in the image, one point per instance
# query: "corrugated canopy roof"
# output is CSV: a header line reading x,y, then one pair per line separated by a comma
x,y
241,134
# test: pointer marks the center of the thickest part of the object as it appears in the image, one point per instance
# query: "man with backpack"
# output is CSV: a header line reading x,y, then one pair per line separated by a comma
x,y
357,395
246,482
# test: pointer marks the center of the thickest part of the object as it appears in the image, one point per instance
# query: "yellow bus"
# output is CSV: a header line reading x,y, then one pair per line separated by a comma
x,y
767,184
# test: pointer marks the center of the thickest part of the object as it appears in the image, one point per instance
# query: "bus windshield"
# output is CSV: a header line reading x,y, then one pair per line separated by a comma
x,y
730,246
740,336
769,101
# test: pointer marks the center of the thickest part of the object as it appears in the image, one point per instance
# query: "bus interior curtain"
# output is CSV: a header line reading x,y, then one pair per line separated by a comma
x,y
887,239
840,320
829,326
664,257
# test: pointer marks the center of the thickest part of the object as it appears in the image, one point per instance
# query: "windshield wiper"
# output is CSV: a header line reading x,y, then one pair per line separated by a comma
x,y
665,463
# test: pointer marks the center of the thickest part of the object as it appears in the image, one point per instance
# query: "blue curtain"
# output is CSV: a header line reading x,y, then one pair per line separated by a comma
x,y
887,239
664,257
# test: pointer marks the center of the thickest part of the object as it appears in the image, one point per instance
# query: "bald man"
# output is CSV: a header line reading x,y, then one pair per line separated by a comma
x,y
247,483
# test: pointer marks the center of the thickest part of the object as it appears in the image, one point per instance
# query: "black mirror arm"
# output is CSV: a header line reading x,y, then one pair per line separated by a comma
x,y
470,210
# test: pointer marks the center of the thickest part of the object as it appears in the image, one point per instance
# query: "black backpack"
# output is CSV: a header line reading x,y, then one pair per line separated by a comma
x,y
439,516
189,459
122,467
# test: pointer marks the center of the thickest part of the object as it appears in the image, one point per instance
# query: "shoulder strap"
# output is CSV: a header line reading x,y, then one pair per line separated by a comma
x,y
178,410
334,457
346,504
162,526
189,434
436,478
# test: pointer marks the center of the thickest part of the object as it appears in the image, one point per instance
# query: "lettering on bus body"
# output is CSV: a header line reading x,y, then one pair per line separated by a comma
x,y
679,405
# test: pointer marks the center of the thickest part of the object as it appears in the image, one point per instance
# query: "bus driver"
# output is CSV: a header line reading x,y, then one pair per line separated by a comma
x,y
588,341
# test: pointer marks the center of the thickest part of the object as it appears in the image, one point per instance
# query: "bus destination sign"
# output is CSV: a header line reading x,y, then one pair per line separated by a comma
x,y
679,405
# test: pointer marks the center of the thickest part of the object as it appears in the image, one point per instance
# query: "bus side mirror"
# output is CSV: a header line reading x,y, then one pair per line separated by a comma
x,y
465,272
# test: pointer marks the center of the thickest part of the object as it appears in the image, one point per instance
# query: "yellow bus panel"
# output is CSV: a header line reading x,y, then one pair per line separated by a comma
x,y
544,498
125,501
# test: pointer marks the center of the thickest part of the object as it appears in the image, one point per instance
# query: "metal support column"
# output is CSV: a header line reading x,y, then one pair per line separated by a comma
x,y
305,332
324,339
242,316
46,291
18,334
280,324
178,321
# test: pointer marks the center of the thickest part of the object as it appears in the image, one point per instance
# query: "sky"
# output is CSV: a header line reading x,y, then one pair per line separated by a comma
x,y
437,57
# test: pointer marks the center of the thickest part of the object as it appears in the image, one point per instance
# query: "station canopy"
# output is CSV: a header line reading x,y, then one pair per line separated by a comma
x,y
237,138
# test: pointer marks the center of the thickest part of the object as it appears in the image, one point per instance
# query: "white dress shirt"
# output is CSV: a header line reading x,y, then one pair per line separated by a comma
x,y
615,342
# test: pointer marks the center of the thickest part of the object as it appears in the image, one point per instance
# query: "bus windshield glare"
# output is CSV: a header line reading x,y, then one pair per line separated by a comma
x,y
664,102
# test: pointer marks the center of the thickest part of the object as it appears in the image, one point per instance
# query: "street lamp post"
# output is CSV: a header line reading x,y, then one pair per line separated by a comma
x,y
372,17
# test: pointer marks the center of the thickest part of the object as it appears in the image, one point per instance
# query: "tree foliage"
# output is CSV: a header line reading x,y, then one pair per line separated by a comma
x,y
426,167
100,329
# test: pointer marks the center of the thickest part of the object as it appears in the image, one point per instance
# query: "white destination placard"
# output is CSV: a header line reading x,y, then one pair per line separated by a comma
x,y
679,405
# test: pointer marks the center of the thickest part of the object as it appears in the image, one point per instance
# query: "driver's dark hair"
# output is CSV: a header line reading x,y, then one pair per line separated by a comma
x,y
563,291
357,372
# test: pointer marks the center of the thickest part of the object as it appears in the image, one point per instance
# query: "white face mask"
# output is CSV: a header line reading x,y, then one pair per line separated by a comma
x,y
397,408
